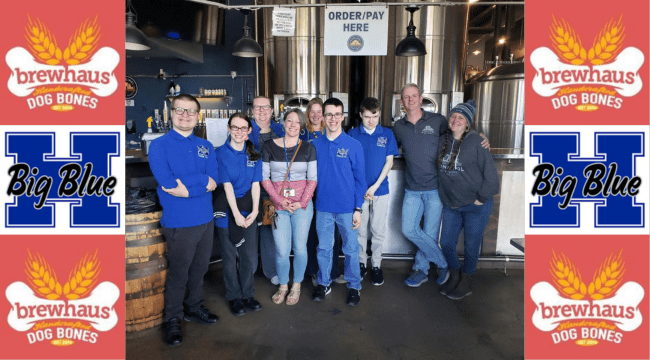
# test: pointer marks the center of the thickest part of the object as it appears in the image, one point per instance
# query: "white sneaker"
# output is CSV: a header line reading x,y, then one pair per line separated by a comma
x,y
275,280
340,280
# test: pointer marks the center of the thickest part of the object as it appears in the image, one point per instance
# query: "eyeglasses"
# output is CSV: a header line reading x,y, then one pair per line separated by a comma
x,y
262,107
336,115
180,111
235,128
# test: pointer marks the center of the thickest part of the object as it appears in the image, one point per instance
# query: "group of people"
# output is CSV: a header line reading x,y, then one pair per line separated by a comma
x,y
324,184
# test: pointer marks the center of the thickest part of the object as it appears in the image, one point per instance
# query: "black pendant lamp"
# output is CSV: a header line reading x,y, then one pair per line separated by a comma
x,y
410,45
135,39
246,46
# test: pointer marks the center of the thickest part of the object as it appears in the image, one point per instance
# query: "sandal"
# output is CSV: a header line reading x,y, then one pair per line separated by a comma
x,y
294,296
278,298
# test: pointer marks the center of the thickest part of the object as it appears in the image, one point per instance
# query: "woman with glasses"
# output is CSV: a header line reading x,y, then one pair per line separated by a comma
x,y
314,127
289,173
467,181
240,172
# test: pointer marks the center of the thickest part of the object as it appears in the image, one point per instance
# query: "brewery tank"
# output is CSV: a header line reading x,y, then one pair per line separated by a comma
x,y
499,95
439,73
295,69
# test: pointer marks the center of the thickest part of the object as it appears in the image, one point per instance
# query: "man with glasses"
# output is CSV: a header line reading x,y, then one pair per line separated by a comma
x,y
186,169
339,197
263,130
418,133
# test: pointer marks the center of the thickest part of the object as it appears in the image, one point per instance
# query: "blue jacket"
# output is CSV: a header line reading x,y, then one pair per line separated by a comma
x,y
237,169
376,148
254,136
341,174
193,161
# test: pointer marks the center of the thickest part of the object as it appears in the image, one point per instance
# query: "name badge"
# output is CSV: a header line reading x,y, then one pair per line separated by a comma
x,y
288,192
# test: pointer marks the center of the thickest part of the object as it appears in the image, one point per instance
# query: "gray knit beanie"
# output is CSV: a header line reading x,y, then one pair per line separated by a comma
x,y
467,109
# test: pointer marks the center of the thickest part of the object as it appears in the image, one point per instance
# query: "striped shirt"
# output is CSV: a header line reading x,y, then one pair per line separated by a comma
x,y
275,162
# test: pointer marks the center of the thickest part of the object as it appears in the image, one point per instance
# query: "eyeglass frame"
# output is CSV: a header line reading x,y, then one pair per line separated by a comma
x,y
335,115
183,110
262,107
237,128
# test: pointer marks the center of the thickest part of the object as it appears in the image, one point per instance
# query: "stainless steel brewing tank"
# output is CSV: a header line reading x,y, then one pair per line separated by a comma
x,y
440,72
296,67
499,95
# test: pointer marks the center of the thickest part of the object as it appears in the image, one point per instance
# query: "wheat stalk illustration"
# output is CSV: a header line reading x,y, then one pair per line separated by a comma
x,y
607,278
42,278
567,278
82,278
608,43
81,46
566,42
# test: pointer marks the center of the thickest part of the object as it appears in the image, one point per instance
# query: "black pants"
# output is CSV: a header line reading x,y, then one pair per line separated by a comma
x,y
188,258
238,276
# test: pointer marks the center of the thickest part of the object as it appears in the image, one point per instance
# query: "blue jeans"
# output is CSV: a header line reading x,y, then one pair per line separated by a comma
x,y
291,233
473,218
416,204
325,224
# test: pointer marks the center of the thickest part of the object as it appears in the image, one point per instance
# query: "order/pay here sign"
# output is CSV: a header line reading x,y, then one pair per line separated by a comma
x,y
356,30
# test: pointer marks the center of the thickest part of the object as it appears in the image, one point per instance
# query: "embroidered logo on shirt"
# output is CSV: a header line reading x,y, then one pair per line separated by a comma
x,y
382,141
342,153
203,151
428,130
250,163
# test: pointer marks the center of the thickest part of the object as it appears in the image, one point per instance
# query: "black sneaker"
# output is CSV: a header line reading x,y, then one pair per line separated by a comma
x,y
362,269
252,304
320,292
203,316
173,334
377,276
354,296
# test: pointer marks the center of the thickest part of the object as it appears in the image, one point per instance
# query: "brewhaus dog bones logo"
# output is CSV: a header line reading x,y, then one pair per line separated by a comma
x,y
601,311
62,77
587,78
62,313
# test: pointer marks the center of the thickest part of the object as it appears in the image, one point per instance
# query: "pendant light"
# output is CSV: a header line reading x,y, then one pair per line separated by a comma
x,y
411,45
246,46
135,39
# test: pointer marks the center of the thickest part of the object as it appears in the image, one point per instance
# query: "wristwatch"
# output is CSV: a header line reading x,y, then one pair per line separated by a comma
x,y
360,210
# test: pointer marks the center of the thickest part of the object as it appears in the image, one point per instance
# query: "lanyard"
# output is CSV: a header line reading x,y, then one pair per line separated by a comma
x,y
286,158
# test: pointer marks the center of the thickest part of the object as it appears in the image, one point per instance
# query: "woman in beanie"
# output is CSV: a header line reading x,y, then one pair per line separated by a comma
x,y
467,181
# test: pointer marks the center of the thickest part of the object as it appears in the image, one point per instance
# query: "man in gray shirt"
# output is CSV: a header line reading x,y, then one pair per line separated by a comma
x,y
418,134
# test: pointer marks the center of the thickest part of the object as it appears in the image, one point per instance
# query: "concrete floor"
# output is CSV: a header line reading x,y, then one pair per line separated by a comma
x,y
392,321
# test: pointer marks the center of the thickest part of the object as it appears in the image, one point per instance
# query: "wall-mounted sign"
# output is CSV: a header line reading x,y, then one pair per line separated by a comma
x,y
131,87
284,22
356,30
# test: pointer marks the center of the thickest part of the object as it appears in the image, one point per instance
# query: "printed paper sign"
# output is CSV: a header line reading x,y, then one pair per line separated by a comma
x,y
284,22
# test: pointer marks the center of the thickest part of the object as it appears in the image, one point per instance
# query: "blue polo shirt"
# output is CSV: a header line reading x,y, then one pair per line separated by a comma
x,y
192,160
341,174
375,149
236,168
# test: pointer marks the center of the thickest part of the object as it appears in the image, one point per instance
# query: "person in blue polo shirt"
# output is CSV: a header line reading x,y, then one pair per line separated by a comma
x,y
185,168
240,172
264,129
379,147
339,197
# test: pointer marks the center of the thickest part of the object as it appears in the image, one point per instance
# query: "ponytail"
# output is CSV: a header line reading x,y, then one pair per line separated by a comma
x,y
250,151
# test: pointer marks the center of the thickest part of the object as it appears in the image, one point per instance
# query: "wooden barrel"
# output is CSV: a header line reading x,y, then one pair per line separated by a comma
x,y
146,271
